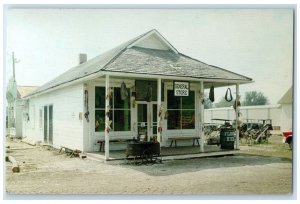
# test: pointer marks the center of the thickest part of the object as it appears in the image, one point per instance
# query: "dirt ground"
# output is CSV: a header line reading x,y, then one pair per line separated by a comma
x,y
264,169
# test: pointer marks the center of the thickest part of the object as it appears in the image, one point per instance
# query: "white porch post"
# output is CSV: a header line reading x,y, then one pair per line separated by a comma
x,y
237,116
159,111
201,110
106,130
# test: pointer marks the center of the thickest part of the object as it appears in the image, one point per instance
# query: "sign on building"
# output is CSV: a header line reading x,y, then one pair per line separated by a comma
x,y
181,88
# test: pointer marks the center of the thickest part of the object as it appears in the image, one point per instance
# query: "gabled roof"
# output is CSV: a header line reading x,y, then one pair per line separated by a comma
x,y
287,97
149,53
25,90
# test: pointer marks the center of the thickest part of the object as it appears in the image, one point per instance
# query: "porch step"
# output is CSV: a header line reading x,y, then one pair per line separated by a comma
x,y
199,155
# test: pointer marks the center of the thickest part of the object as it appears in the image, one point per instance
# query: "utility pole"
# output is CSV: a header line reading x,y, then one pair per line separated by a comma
x,y
13,61
11,94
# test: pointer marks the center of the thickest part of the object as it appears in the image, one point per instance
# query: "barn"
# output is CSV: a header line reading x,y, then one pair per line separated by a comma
x,y
143,89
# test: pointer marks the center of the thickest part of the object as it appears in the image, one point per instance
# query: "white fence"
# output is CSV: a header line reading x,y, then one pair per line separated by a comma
x,y
272,112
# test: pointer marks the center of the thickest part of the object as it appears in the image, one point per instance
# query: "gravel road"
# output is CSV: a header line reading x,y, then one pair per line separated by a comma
x,y
45,171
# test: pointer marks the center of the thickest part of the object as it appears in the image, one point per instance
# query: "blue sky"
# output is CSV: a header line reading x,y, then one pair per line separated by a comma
x,y
257,43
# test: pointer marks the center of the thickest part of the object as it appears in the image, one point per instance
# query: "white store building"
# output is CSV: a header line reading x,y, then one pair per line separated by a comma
x,y
143,87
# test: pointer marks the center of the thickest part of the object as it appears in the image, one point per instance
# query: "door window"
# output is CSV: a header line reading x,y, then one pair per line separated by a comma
x,y
147,119
142,119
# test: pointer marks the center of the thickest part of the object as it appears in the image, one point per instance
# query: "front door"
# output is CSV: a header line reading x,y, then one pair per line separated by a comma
x,y
147,120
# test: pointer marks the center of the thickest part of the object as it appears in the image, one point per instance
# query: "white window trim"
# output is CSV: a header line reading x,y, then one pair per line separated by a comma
x,y
192,88
112,132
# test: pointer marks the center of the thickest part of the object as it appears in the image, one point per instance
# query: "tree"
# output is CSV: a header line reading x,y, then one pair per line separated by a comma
x,y
254,98
207,104
223,103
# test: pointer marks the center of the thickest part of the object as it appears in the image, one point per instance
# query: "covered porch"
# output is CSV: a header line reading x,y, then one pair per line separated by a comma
x,y
147,91
150,120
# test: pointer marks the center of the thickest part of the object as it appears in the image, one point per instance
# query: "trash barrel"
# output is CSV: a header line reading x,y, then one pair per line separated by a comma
x,y
227,137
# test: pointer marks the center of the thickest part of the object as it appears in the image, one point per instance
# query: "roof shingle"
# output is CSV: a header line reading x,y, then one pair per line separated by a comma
x,y
163,62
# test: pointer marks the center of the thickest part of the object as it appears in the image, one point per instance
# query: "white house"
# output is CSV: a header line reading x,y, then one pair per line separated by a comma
x,y
287,110
89,102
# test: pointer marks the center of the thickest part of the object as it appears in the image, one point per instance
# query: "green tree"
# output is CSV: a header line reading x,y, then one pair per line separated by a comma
x,y
207,104
223,103
254,98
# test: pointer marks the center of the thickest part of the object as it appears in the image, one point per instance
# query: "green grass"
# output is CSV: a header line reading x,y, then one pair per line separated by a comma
x,y
275,148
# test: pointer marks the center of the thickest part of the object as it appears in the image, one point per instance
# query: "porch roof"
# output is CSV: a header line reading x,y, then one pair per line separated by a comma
x,y
129,57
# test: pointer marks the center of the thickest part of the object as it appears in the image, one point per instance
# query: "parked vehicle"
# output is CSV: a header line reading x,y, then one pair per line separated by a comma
x,y
288,138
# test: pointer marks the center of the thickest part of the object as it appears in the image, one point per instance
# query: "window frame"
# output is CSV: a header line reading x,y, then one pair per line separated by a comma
x,y
113,110
181,109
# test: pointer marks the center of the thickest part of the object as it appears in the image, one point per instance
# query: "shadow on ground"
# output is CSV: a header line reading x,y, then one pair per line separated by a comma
x,y
172,167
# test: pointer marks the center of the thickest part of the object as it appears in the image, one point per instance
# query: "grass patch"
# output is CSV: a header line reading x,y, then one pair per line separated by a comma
x,y
274,148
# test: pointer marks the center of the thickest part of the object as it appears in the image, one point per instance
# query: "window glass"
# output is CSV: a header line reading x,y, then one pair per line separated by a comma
x,y
188,119
99,120
174,119
99,97
188,102
121,120
142,87
119,113
142,113
181,111
173,101
154,112
118,102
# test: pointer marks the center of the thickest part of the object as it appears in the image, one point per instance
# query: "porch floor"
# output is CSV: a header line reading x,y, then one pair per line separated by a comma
x,y
169,153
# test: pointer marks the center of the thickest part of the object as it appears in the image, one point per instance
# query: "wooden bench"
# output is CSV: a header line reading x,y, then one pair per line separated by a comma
x,y
70,152
174,139
102,142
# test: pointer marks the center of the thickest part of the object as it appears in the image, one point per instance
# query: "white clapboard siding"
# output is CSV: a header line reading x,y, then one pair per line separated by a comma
x,y
67,126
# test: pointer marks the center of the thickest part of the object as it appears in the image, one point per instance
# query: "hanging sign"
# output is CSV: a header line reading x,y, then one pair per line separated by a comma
x,y
181,88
